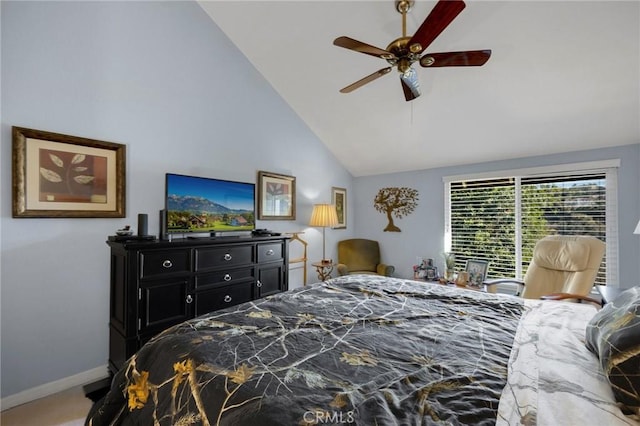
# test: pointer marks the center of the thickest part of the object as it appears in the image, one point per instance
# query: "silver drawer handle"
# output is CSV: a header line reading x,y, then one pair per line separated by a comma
x,y
167,264
227,277
269,252
189,298
227,256
258,284
227,298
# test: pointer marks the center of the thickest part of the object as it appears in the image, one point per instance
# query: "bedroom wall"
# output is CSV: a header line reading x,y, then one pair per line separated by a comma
x,y
422,231
161,78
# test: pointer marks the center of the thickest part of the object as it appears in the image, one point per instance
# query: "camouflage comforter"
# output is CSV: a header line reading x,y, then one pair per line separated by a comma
x,y
362,350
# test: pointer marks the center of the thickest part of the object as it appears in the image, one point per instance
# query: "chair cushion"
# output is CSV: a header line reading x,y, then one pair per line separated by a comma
x,y
561,255
359,254
613,335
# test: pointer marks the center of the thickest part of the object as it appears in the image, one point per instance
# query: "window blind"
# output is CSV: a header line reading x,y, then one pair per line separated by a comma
x,y
500,219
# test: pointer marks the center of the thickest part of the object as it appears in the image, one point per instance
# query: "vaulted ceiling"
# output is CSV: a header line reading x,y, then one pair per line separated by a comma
x,y
563,76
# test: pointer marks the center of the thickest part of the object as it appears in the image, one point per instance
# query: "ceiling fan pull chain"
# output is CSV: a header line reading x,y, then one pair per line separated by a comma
x,y
411,116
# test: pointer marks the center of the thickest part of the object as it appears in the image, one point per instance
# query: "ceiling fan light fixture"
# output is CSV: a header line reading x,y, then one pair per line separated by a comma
x,y
404,65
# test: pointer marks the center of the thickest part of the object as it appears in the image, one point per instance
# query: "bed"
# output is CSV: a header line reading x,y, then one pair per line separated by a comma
x,y
370,350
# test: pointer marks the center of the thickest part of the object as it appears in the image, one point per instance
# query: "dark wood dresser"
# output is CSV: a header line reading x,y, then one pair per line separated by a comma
x,y
156,284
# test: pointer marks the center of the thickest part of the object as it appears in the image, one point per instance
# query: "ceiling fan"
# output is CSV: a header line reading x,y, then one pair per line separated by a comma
x,y
404,51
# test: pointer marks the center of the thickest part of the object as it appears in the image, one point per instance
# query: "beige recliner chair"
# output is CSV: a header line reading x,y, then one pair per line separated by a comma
x,y
361,256
562,267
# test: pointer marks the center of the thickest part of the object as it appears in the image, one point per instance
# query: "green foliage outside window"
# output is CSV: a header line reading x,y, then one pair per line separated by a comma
x,y
483,217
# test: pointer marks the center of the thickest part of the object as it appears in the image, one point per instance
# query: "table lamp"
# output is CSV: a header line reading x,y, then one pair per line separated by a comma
x,y
324,215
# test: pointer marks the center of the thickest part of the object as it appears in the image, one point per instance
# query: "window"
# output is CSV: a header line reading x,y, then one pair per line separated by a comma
x,y
500,217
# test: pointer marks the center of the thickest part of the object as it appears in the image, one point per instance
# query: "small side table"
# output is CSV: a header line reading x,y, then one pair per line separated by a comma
x,y
324,269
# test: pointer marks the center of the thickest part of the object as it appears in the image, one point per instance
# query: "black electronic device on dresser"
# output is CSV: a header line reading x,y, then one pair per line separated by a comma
x,y
157,284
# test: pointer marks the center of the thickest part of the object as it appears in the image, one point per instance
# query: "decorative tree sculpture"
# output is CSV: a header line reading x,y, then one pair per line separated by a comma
x,y
396,202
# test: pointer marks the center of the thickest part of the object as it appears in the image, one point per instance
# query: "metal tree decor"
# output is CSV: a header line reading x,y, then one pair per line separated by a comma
x,y
396,202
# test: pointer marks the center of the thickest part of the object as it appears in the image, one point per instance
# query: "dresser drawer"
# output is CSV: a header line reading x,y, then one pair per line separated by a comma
x,y
269,252
224,277
218,257
223,297
164,262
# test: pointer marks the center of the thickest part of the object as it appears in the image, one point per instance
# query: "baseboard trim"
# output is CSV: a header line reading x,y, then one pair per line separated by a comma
x,y
56,386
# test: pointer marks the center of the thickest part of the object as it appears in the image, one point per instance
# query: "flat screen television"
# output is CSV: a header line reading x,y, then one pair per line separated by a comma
x,y
198,204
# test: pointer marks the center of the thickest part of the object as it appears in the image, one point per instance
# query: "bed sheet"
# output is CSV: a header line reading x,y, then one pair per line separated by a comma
x,y
553,379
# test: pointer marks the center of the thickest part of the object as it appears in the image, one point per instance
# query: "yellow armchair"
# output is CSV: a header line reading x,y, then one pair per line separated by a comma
x,y
361,256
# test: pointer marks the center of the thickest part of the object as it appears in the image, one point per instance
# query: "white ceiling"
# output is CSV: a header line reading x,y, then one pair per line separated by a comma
x,y
563,76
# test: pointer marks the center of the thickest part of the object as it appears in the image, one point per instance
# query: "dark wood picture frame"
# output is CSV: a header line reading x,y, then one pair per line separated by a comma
x,y
339,199
63,176
276,196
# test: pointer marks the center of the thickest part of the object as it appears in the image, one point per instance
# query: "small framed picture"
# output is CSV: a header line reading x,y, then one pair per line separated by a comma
x,y
432,273
477,270
339,199
276,196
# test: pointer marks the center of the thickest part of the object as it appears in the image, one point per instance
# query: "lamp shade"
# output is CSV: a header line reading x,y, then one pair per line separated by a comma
x,y
324,215
637,231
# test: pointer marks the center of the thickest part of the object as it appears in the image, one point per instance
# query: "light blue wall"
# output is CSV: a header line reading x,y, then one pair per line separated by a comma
x,y
423,231
161,78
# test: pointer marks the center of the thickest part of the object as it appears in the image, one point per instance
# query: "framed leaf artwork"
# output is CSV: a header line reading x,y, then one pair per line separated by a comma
x,y
56,175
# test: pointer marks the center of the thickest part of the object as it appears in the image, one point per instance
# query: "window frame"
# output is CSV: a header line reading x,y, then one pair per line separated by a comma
x,y
608,167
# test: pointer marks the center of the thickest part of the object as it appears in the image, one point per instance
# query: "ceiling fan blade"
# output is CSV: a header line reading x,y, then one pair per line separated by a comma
x,y
410,85
358,46
470,58
367,79
440,17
